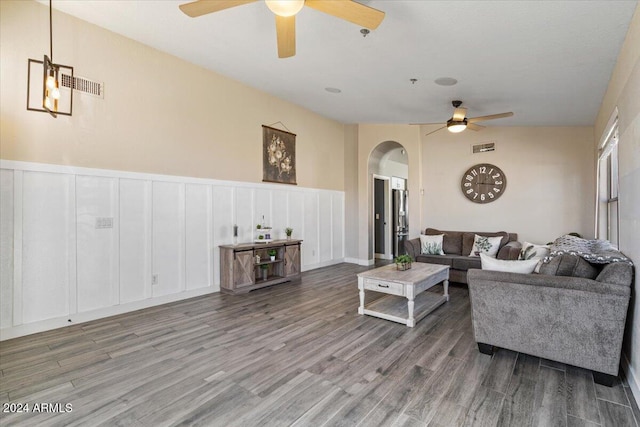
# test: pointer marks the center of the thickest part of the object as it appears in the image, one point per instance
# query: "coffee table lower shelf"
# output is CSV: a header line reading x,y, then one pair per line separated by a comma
x,y
396,309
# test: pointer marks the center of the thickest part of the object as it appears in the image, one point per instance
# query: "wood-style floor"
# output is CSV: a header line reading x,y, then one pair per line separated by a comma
x,y
293,354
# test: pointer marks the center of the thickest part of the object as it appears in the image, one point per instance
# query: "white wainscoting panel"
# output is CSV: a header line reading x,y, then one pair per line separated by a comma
x,y
168,238
310,246
198,236
6,248
296,218
280,213
80,244
48,245
326,234
135,240
337,226
244,214
223,222
97,243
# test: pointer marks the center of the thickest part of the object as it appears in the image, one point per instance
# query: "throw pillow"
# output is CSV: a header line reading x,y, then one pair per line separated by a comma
x,y
531,251
431,245
510,266
485,245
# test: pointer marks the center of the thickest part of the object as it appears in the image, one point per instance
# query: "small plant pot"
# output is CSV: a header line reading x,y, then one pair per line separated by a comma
x,y
403,266
265,273
273,257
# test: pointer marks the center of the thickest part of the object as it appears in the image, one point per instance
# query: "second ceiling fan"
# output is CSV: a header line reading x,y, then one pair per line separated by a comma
x,y
286,10
459,121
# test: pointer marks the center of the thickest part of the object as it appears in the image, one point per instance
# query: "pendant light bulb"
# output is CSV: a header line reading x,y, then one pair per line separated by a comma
x,y
285,7
51,82
47,103
55,93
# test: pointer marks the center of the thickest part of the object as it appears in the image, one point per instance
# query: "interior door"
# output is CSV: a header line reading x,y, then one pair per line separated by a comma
x,y
379,201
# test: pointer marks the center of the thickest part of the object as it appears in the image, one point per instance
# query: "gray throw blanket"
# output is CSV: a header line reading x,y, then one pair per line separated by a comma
x,y
593,251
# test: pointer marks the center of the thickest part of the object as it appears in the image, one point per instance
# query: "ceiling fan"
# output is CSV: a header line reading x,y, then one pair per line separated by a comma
x,y
459,122
286,10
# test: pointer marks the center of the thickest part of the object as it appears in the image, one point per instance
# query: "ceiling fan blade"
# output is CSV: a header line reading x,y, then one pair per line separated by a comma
x,y
474,126
489,117
459,114
202,7
349,10
286,32
434,131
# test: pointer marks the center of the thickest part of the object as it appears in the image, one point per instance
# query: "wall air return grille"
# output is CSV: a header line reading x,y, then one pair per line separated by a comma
x,y
83,85
483,148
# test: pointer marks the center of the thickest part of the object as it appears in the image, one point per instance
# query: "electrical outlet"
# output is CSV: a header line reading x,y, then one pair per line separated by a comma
x,y
154,279
104,222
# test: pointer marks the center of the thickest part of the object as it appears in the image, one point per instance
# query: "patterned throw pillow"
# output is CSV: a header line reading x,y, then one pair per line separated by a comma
x,y
533,251
485,245
431,245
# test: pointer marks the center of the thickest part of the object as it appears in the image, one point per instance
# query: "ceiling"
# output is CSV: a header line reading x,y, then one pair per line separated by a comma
x,y
547,61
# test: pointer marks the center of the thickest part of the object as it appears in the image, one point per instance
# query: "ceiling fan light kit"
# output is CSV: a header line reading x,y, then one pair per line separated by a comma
x,y
460,122
285,7
455,126
286,10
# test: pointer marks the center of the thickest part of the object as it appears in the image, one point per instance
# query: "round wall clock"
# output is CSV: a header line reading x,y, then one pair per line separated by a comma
x,y
483,183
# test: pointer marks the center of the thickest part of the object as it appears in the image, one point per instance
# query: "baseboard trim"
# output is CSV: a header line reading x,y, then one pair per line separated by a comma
x,y
362,262
74,319
322,264
632,378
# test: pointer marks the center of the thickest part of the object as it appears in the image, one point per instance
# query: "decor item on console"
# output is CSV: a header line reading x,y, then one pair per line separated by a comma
x,y
457,245
288,231
279,156
573,311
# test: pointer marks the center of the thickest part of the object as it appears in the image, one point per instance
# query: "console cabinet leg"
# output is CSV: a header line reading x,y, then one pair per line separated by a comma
x,y
604,379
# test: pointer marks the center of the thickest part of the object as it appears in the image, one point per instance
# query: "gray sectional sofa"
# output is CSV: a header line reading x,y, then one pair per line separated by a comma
x,y
457,246
573,312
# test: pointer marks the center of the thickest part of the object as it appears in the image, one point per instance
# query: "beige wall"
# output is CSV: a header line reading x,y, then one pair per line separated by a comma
x,y
159,114
624,93
370,136
550,181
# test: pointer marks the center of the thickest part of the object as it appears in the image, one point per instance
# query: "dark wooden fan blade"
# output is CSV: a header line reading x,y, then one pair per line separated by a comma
x,y
434,131
474,126
348,10
202,7
286,32
490,117
459,114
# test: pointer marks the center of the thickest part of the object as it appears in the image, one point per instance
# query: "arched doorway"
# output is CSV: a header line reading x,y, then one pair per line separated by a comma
x,y
389,171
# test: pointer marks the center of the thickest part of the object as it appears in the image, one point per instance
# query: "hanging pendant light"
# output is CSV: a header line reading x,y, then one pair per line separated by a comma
x,y
51,99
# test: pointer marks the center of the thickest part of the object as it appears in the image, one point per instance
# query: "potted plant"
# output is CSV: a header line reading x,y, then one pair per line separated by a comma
x,y
403,262
288,231
272,254
265,271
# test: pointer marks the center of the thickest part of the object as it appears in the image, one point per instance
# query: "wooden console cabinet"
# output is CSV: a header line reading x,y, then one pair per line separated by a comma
x,y
240,272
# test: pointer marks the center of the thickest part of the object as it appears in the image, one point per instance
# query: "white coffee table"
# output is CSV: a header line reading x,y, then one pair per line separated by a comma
x,y
405,302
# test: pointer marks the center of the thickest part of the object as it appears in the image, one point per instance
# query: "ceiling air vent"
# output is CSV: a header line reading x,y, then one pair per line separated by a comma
x,y
83,85
483,148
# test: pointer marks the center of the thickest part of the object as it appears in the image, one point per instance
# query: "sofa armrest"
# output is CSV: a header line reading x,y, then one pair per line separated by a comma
x,y
482,277
510,251
412,247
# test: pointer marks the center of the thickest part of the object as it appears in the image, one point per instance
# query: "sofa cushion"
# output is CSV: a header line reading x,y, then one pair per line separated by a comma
x,y
468,238
569,265
431,245
465,262
617,273
452,240
435,259
515,266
